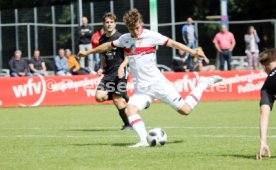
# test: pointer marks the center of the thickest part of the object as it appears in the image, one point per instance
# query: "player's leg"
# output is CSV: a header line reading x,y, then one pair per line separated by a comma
x,y
195,95
172,97
121,104
102,92
101,96
120,100
137,103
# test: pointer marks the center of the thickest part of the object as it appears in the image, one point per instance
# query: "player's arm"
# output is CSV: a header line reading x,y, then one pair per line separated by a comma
x,y
102,65
100,49
264,118
265,108
173,44
121,70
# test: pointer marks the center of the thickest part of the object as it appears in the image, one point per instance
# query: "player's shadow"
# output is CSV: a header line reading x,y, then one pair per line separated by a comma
x,y
253,157
175,141
128,144
92,130
90,144
121,144
117,144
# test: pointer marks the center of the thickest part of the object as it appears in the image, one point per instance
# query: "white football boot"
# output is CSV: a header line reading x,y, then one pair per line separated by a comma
x,y
210,81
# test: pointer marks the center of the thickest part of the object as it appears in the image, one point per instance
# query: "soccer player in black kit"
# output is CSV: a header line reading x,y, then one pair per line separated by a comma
x,y
268,96
111,87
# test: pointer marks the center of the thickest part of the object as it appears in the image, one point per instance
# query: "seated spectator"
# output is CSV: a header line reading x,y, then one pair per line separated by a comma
x,y
74,67
179,62
37,65
18,66
61,64
201,64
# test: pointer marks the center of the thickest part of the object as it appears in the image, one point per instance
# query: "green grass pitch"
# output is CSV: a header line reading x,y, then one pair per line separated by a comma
x,y
217,135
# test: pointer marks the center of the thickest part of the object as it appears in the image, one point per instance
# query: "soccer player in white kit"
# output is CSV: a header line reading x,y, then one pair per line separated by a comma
x,y
139,46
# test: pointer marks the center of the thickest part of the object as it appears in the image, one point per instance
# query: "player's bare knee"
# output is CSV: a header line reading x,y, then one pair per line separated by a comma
x,y
100,98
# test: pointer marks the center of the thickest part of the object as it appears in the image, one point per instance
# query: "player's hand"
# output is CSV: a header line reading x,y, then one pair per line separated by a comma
x,y
100,71
82,54
263,151
121,72
200,54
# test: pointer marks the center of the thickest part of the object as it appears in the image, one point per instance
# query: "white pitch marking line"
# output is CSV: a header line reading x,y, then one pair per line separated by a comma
x,y
149,127
128,136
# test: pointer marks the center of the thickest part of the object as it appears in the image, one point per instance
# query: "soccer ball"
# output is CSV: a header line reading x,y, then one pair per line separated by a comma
x,y
157,136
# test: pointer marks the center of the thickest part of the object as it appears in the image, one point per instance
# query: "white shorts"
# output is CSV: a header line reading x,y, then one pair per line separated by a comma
x,y
162,90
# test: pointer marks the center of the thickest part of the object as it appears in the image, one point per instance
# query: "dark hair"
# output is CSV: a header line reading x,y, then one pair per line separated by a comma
x,y
267,56
131,17
110,15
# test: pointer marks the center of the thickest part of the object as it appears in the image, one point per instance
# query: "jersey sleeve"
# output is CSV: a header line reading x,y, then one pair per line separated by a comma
x,y
118,42
266,98
159,39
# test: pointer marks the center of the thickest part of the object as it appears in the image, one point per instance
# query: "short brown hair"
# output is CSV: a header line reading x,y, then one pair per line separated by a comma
x,y
131,17
109,15
267,56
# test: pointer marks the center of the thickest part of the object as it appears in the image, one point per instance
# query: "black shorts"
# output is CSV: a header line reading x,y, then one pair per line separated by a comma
x,y
266,99
118,87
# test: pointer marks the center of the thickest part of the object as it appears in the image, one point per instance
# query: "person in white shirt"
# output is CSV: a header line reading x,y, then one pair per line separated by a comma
x,y
252,40
139,46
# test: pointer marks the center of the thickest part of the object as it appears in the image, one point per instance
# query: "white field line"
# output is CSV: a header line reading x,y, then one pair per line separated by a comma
x,y
129,136
149,127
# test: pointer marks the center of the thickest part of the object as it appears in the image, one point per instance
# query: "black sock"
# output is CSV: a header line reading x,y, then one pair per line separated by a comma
x,y
126,98
123,116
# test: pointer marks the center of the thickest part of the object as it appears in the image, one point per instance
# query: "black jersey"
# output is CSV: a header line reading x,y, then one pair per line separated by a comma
x,y
268,91
113,58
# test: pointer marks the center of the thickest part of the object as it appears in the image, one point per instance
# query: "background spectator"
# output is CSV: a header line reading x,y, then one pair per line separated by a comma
x,y
18,66
251,47
37,65
224,42
61,64
85,33
179,62
201,64
74,67
189,37
95,43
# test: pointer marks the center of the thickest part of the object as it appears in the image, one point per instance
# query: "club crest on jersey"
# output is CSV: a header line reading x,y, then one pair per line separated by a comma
x,y
132,47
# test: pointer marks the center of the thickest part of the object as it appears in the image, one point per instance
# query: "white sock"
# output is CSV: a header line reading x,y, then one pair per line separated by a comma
x,y
193,98
139,126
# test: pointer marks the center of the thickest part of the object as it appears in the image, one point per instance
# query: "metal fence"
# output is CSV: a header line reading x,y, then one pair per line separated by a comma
x,y
50,28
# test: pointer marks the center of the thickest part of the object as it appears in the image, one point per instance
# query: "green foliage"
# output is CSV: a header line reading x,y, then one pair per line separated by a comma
x,y
65,17
217,135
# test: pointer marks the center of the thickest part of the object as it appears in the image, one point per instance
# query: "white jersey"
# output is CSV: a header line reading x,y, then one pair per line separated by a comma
x,y
142,55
